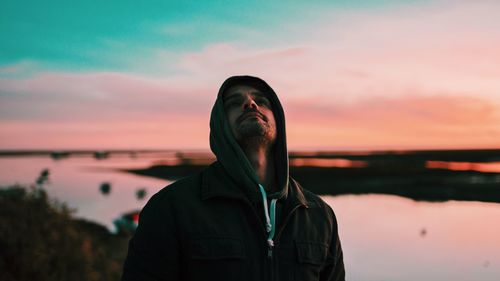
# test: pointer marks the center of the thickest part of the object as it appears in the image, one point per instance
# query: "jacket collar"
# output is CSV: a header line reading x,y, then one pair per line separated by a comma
x,y
297,195
217,183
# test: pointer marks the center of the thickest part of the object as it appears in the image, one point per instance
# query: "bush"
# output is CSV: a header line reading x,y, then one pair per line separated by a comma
x,y
40,240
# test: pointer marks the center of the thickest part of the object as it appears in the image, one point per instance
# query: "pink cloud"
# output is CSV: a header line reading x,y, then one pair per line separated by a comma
x,y
95,96
436,47
169,132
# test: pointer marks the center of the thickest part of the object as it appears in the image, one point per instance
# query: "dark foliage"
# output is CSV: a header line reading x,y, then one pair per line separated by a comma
x,y
39,240
140,193
105,188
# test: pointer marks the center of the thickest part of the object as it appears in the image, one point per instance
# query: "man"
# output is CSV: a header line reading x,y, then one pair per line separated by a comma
x,y
243,217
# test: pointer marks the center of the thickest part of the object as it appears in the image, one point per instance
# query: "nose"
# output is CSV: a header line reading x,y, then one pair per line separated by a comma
x,y
249,103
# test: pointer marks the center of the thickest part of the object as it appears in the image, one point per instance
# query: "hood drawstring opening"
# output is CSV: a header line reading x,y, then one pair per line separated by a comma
x,y
270,216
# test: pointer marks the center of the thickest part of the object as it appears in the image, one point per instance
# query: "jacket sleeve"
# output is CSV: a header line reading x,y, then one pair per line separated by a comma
x,y
334,269
153,250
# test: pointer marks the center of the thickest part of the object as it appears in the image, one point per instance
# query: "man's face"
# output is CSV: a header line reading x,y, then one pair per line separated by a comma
x,y
249,113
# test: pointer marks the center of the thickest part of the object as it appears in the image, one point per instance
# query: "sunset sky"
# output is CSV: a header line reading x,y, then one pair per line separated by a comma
x,y
350,74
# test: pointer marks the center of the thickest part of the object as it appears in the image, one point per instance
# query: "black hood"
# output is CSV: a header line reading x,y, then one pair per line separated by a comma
x,y
230,154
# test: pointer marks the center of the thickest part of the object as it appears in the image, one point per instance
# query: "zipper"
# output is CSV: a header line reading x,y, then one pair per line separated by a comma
x,y
270,252
270,261
270,247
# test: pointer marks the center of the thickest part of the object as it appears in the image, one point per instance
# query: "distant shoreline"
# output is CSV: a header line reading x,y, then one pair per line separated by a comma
x,y
404,174
471,155
48,152
429,175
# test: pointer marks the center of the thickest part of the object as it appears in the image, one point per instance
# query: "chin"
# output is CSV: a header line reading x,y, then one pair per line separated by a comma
x,y
255,134
252,130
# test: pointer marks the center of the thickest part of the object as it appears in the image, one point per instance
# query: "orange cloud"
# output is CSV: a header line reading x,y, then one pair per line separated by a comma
x,y
440,121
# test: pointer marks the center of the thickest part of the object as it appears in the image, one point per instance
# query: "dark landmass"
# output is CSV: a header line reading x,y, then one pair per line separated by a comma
x,y
41,240
97,154
465,155
398,173
470,155
417,184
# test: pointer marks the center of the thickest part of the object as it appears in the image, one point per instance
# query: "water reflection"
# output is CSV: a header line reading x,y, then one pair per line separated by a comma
x,y
333,163
488,167
75,181
392,238
384,237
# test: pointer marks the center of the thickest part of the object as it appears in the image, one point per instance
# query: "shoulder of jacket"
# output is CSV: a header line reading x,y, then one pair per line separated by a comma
x,y
180,188
313,197
309,196
316,200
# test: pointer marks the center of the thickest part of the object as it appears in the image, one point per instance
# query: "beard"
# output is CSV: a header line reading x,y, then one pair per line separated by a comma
x,y
255,131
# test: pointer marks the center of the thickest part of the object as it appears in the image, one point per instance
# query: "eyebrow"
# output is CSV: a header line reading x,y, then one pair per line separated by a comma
x,y
235,95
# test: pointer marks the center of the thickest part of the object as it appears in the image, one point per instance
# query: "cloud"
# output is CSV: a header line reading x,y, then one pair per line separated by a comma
x,y
442,46
102,110
168,131
23,67
438,121
440,109
94,96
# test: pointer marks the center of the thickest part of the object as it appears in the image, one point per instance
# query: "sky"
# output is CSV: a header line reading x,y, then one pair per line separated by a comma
x,y
351,75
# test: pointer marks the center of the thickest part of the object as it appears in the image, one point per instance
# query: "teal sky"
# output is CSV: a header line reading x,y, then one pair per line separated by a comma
x,y
104,35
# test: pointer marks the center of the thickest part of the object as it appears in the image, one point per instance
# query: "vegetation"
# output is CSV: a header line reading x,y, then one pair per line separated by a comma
x,y
40,240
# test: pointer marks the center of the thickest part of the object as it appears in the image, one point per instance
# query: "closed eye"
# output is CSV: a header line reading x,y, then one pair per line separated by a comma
x,y
232,103
263,101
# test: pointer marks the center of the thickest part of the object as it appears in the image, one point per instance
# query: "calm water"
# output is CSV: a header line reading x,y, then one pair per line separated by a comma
x,y
384,237
76,181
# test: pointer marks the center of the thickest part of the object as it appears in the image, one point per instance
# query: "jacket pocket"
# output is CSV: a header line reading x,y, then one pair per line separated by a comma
x,y
311,257
214,248
217,258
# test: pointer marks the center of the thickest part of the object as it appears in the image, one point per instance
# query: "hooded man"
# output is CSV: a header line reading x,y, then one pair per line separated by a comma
x,y
243,217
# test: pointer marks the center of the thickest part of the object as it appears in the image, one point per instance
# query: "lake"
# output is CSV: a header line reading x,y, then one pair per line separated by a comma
x,y
384,237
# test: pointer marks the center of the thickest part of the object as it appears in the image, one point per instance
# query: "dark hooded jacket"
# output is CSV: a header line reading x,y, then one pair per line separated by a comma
x,y
212,226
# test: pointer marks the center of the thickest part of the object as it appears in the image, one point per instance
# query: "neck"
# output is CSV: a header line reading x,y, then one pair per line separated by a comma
x,y
262,160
